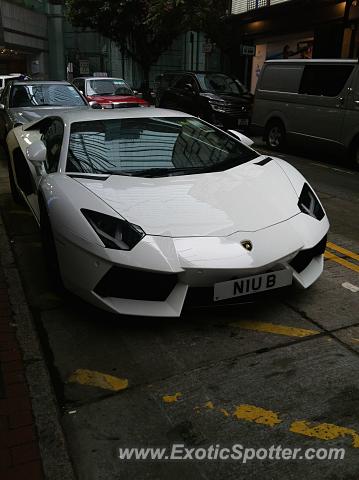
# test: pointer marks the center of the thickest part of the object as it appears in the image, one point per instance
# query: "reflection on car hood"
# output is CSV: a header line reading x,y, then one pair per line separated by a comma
x,y
245,198
31,114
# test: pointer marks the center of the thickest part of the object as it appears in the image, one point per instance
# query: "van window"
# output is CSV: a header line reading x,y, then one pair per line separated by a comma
x,y
281,78
324,80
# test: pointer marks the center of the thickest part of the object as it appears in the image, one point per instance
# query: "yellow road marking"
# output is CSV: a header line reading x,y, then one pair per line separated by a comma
x,y
171,398
259,415
250,413
98,379
342,250
324,431
341,261
274,328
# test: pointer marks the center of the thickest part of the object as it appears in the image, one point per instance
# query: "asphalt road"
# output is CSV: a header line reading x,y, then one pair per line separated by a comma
x,y
281,373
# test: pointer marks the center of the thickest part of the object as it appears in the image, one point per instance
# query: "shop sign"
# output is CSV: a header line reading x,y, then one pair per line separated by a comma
x,y
84,67
248,50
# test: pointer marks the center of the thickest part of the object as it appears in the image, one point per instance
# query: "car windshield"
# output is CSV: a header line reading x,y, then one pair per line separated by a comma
x,y
108,86
152,147
220,84
40,95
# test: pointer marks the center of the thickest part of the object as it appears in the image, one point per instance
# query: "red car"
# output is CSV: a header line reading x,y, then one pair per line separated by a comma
x,y
108,92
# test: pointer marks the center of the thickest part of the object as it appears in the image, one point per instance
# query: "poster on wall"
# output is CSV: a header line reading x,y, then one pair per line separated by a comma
x,y
291,49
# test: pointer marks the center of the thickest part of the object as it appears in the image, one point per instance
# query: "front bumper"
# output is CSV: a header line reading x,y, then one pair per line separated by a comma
x,y
155,278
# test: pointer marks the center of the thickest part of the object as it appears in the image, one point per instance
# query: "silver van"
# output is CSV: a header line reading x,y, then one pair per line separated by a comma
x,y
310,102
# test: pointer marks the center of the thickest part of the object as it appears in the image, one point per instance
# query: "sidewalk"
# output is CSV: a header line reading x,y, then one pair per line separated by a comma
x,y
19,450
32,443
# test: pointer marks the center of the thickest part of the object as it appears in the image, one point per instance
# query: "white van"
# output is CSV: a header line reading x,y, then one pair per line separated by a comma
x,y
310,101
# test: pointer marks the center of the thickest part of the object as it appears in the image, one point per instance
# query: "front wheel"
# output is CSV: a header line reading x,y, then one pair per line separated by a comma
x,y
275,135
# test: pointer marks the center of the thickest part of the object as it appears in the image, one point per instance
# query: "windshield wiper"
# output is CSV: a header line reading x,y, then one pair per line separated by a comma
x,y
163,172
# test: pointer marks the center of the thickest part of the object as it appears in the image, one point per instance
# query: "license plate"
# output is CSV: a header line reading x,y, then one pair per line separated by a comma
x,y
250,285
243,121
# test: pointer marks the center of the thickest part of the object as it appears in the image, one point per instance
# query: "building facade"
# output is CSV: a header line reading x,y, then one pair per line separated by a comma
x,y
291,29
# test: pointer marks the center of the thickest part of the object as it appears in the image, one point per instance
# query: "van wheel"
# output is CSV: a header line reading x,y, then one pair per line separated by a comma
x,y
275,135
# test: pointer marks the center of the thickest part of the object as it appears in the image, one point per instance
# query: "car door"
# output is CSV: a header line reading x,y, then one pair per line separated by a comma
x,y
319,109
351,106
184,95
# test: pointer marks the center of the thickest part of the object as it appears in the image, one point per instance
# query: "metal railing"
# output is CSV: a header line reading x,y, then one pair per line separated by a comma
x,y
242,6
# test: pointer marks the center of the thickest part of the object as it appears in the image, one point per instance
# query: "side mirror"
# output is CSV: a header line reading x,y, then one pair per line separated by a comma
x,y
95,105
2,106
37,154
242,138
189,88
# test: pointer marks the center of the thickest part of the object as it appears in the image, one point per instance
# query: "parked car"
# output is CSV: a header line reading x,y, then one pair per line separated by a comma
x,y
5,79
108,92
315,102
217,98
26,101
143,208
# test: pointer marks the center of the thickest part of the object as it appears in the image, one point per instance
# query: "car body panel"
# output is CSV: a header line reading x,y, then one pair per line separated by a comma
x,y
202,204
108,99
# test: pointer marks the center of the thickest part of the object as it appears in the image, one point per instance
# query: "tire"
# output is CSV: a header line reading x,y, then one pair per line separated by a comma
x,y
275,135
16,195
49,249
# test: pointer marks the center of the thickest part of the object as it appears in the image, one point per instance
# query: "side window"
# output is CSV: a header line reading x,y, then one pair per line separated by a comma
x,y
80,84
281,78
52,138
325,80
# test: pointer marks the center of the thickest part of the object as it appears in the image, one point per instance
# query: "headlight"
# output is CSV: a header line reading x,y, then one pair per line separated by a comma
x,y
114,232
308,203
217,106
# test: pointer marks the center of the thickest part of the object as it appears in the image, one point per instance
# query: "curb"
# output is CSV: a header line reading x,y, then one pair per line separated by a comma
x,y
55,458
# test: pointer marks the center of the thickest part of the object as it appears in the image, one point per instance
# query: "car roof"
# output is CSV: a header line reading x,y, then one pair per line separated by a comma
x,y
99,78
42,82
315,60
81,115
197,72
13,75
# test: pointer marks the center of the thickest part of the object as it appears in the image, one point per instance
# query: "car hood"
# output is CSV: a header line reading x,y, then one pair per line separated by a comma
x,y
249,197
115,99
29,114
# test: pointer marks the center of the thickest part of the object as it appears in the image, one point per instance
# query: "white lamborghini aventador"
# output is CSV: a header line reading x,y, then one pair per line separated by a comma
x,y
143,209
